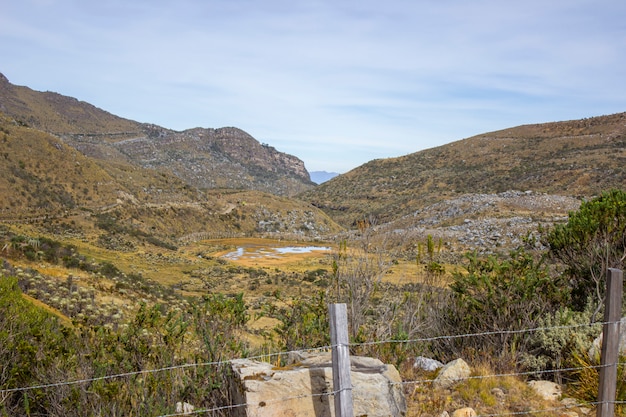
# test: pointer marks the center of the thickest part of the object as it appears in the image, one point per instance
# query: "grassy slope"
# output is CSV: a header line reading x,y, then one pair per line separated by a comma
x,y
578,158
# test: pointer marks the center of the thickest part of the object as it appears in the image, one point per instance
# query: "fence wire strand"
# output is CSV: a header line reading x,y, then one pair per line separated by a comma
x,y
266,356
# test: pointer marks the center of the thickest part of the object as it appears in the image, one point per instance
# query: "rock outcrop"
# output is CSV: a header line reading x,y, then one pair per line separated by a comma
x,y
304,388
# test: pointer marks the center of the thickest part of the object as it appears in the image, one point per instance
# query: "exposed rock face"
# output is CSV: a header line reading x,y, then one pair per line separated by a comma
x,y
217,158
303,388
204,158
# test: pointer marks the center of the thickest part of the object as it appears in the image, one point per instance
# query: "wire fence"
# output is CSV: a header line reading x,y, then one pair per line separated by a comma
x,y
268,356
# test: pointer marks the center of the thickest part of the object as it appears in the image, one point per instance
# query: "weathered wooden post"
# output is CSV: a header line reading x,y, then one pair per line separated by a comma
x,y
610,343
342,385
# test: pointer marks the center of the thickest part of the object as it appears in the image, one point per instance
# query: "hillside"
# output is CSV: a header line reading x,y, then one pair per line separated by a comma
x,y
118,205
574,158
203,158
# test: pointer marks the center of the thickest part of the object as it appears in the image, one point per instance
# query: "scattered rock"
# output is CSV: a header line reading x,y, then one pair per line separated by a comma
x,y
499,394
427,364
575,404
548,390
464,412
452,373
184,408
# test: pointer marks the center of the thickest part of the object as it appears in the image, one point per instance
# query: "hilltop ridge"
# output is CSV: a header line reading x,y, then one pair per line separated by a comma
x,y
578,158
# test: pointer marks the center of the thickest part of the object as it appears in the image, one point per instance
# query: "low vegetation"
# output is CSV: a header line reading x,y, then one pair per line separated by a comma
x,y
75,323
116,297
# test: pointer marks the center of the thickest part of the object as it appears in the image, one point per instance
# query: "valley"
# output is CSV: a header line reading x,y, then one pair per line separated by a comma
x,y
147,248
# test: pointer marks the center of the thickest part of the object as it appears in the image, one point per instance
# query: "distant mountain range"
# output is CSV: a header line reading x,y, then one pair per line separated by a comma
x,y
319,177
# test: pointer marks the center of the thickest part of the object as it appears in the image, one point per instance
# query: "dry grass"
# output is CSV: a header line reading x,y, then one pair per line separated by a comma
x,y
485,393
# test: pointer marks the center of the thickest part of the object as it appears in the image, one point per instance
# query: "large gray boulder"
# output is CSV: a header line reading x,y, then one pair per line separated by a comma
x,y
303,388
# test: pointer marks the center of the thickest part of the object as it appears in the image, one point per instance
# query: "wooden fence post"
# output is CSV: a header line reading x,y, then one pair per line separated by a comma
x,y
610,343
342,385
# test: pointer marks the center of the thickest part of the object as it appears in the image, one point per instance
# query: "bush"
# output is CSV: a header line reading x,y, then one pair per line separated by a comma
x,y
593,239
497,296
561,339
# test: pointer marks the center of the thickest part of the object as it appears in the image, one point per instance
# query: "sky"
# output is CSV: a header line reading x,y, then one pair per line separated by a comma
x,y
336,83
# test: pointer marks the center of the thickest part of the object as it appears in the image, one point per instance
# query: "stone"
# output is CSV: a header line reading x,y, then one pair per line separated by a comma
x,y
596,346
548,390
464,412
499,394
304,387
451,373
427,364
569,402
184,408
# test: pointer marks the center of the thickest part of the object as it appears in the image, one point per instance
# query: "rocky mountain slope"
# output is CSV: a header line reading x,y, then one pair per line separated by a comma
x,y
485,190
114,204
575,158
203,158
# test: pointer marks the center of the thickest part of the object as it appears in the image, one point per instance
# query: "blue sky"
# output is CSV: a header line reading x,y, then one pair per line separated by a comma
x,y
336,83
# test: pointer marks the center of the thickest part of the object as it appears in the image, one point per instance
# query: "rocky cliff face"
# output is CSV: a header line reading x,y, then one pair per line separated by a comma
x,y
217,158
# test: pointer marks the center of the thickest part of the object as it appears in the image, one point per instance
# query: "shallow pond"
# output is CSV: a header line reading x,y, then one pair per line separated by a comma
x,y
256,252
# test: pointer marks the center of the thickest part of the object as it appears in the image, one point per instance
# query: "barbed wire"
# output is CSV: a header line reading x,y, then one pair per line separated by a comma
x,y
285,353
156,370
489,333
525,373
265,403
266,356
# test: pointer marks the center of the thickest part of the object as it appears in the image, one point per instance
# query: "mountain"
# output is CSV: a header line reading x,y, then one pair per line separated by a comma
x,y
63,154
70,169
203,158
319,177
571,158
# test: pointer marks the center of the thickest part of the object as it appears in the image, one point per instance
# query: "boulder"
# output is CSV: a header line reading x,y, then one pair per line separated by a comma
x,y
548,390
303,388
184,408
427,364
464,412
452,373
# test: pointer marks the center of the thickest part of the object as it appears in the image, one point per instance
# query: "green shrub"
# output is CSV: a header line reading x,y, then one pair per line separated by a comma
x,y
560,339
592,240
496,296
